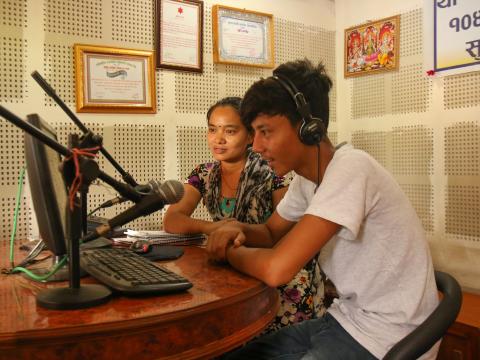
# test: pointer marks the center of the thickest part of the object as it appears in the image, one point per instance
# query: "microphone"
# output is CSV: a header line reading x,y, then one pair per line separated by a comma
x,y
150,187
147,189
170,192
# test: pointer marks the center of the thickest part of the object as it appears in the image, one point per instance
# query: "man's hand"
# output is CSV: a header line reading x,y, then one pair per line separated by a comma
x,y
214,225
230,234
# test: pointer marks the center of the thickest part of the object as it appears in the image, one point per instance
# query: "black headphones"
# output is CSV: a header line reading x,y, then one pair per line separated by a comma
x,y
312,129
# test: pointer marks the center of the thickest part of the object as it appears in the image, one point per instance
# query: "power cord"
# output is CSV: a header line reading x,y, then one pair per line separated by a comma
x,y
35,277
15,216
35,251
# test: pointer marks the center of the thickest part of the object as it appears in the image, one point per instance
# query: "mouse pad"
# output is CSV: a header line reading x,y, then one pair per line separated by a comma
x,y
162,252
100,242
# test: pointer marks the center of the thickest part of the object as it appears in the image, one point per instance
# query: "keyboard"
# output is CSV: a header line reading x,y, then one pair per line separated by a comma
x,y
129,273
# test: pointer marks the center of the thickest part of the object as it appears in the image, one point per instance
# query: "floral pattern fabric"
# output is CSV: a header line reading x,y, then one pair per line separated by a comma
x,y
254,203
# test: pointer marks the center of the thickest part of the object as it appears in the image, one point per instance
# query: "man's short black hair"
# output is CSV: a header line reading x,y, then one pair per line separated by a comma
x,y
268,97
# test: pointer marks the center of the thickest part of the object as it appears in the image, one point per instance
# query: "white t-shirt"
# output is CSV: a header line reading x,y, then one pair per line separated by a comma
x,y
379,260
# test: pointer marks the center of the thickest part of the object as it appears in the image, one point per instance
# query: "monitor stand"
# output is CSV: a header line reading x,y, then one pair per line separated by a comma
x,y
76,296
70,298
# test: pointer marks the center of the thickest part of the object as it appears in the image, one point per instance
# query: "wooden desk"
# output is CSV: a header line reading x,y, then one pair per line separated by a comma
x,y
222,310
462,341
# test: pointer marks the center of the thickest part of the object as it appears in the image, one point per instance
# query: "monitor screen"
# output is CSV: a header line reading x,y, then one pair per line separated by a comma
x,y
48,190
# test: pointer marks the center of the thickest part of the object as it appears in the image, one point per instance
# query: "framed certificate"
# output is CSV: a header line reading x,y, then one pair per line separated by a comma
x,y
114,80
242,37
179,35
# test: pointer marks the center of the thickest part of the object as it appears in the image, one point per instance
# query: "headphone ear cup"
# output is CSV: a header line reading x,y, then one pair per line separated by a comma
x,y
312,131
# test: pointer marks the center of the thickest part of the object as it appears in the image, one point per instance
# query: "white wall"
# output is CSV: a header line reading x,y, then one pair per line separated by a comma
x,y
447,195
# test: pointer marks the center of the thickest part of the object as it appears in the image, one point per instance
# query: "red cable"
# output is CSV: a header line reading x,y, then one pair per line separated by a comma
x,y
77,182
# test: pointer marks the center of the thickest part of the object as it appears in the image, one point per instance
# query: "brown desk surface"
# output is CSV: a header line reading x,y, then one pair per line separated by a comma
x,y
222,310
470,310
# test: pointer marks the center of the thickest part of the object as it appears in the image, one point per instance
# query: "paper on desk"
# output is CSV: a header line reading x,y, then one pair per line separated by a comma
x,y
160,237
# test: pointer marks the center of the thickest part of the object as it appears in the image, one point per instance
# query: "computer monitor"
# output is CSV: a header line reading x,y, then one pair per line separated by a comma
x,y
48,192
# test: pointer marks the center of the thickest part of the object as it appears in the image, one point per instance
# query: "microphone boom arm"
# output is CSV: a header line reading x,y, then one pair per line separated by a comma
x,y
51,92
123,189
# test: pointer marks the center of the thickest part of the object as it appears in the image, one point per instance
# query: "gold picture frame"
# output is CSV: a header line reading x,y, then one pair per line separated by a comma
x,y
372,47
114,80
179,34
242,37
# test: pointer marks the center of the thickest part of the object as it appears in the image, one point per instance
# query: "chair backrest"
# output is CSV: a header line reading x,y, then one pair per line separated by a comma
x,y
420,340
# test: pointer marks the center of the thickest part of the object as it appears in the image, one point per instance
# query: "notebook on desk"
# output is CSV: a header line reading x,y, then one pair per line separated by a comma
x,y
160,237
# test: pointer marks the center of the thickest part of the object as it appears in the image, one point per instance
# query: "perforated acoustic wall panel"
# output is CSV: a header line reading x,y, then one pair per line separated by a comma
x,y
368,96
160,91
462,91
194,93
412,150
14,12
11,153
411,39
295,40
333,136
140,149
463,212
59,72
80,18
410,90
133,21
421,197
281,48
192,150
374,143
13,87
7,206
462,149
318,45
239,78
207,31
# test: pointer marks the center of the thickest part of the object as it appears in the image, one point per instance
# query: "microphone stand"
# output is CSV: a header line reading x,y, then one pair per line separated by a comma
x,y
75,296
51,92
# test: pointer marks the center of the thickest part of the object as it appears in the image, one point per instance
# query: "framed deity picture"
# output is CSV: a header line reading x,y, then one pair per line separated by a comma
x,y
372,47
242,37
113,80
179,34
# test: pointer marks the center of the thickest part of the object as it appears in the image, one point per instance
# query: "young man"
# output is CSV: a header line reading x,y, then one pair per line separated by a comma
x,y
343,203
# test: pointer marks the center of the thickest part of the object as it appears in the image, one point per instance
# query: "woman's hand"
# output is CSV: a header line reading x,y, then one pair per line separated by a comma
x,y
214,225
229,234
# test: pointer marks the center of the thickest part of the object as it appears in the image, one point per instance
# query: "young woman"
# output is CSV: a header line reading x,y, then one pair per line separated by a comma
x,y
240,186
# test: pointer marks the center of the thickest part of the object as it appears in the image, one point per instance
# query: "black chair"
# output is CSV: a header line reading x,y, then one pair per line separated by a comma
x,y
420,340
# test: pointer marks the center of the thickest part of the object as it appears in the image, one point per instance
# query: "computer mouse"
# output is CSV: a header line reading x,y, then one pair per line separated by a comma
x,y
141,246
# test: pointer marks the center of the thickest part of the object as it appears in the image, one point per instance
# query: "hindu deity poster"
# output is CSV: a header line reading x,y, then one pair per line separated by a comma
x,y
372,47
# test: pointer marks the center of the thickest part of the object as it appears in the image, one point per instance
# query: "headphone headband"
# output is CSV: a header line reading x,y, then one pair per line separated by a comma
x,y
312,129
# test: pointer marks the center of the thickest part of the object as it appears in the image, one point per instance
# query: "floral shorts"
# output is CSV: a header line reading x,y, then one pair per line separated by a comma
x,y
301,298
